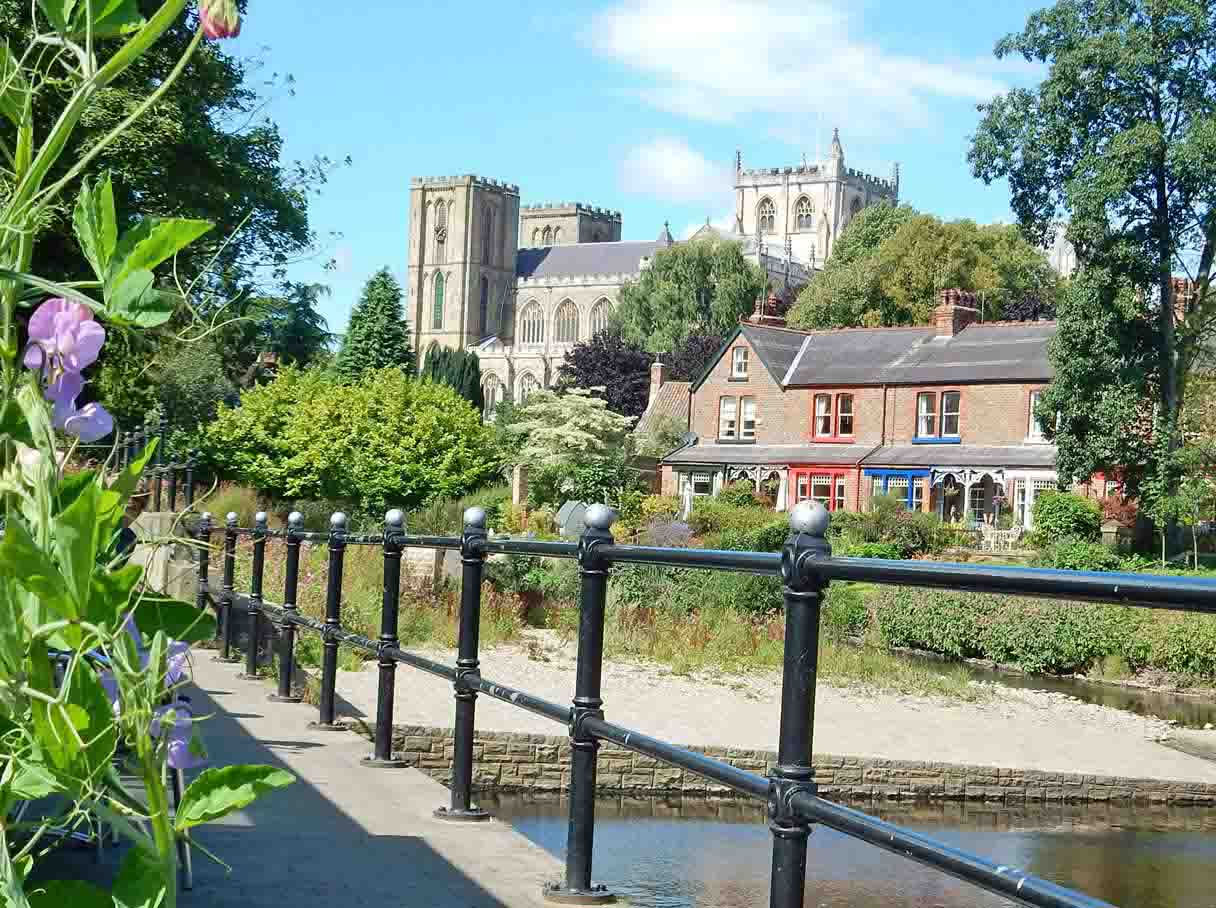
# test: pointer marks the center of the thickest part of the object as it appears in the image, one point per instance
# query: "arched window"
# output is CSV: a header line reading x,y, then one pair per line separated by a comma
x,y
557,235
565,323
441,232
547,237
527,384
535,236
532,324
441,214
437,313
487,236
767,213
485,306
804,214
491,390
599,316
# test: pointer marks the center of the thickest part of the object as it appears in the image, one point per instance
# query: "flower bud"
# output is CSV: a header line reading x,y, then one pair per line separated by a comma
x,y
219,18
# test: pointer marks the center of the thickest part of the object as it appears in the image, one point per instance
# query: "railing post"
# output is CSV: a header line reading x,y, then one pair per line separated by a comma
x,y
172,487
287,633
228,590
203,536
382,749
593,573
803,594
473,560
124,450
333,621
158,473
190,481
254,613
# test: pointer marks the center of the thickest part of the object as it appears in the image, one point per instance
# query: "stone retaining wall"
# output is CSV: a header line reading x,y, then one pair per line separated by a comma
x,y
514,761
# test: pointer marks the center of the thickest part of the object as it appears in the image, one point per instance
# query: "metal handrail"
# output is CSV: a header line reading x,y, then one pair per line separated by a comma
x,y
806,567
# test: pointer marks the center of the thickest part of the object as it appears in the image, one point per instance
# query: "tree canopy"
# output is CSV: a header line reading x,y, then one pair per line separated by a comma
x,y
702,285
608,362
1119,141
693,354
459,370
377,337
890,262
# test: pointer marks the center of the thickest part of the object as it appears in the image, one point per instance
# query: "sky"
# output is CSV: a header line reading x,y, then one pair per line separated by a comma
x,y
634,105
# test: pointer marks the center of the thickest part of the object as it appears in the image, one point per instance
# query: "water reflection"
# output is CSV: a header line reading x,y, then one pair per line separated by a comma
x,y
715,854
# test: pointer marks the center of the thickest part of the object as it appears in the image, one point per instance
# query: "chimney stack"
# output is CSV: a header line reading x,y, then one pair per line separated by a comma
x,y
956,309
658,377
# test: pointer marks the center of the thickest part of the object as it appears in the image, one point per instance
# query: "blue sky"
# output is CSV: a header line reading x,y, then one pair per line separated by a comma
x,y
636,105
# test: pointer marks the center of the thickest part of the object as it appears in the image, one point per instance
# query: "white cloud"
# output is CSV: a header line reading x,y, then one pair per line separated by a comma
x,y
669,169
718,60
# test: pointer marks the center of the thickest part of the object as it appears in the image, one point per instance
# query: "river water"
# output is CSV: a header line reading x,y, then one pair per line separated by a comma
x,y
716,854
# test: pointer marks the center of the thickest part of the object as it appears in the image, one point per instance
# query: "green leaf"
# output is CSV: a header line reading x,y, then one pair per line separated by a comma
x,y
14,425
59,12
126,300
74,893
71,486
75,541
179,620
95,224
13,86
111,18
141,880
32,781
110,593
151,242
51,288
219,791
32,569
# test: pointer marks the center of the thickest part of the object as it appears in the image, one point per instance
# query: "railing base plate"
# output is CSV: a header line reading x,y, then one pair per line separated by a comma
x,y
245,676
560,895
472,815
326,726
230,660
373,763
277,698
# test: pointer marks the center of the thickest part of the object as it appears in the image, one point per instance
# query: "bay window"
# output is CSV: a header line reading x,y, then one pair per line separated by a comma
x,y
838,503
821,489
702,484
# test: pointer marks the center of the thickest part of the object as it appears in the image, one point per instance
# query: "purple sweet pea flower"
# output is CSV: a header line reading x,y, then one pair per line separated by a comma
x,y
219,18
175,662
63,338
179,735
90,423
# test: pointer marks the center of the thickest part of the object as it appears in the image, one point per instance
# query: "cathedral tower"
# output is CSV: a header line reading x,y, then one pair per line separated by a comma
x,y
464,236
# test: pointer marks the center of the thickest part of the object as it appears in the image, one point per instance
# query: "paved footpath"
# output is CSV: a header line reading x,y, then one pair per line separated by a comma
x,y
342,835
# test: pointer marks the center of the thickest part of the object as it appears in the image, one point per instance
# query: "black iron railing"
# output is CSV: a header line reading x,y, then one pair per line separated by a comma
x,y
805,566
167,481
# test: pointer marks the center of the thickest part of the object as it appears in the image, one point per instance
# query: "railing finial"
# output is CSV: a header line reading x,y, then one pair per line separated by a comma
x,y
295,520
231,519
260,519
810,517
599,517
395,520
337,523
475,518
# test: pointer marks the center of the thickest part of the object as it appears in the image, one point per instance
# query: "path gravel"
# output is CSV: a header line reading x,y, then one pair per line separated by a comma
x,y
1017,729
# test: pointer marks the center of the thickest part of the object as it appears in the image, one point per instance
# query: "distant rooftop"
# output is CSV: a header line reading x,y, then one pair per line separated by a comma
x,y
574,259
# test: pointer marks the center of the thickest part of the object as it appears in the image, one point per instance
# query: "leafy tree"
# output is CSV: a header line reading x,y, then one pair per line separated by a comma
x,y
1118,140
293,328
193,385
458,369
702,286
126,380
611,366
663,436
863,235
693,354
377,335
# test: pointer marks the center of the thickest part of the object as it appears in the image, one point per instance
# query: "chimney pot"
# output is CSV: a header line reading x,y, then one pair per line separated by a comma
x,y
956,309
658,377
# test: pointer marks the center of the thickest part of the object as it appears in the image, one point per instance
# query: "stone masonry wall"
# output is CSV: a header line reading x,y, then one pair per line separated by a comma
x,y
512,761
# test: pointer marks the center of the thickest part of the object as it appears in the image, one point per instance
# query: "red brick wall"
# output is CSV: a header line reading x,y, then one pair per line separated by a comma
x,y
988,414
867,412
781,417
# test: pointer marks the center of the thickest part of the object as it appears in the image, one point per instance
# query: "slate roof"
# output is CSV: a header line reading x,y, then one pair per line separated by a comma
x,y
776,347
846,455
854,356
584,258
963,456
672,400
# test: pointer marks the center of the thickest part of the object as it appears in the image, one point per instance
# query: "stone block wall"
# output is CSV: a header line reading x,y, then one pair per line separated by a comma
x,y
518,762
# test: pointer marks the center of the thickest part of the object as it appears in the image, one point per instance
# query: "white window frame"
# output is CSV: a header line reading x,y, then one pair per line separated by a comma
x,y
840,491
922,414
841,416
739,362
803,491
956,415
747,418
823,494
1034,428
706,478
819,431
728,427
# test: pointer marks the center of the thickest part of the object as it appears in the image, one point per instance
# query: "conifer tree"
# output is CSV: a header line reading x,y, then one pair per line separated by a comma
x,y
459,369
377,337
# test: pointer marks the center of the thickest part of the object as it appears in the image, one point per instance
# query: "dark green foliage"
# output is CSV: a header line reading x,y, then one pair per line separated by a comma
x,y
610,363
738,494
887,550
377,336
844,611
292,327
693,355
193,386
1080,556
1063,516
768,537
711,515
890,523
459,370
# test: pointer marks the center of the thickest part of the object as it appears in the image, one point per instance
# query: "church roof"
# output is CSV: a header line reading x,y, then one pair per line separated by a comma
x,y
584,258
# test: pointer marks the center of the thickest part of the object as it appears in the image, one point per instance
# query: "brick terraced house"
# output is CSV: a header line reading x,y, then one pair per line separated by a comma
x,y
941,416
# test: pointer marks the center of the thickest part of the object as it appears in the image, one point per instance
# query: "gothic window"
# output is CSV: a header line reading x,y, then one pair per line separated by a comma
x,y
535,236
547,237
767,216
532,324
441,232
485,306
565,324
487,235
854,208
527,384
557,236
441,214
599,316
804,214
437,313
491,390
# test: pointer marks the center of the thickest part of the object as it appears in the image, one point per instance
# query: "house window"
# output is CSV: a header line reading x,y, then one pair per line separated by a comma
x,y
823,415
838,501
1111,488
950,406
875,486
437,312
738,362
565,328
804,488
532,324
821,490
804,214
918,495
1035,431
599,316
844,414
727,415
748,427
527,384
702,484
926,414
898,485
1019,503
767,216
975,506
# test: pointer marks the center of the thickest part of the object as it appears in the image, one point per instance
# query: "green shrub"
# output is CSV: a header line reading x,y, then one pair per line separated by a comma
x,y
949,625
660,507
844,612
629,509
552,578
888,522
316,513
874,550
767,538
739,494
1061,516
1074,555
1187,646
230,498
712,515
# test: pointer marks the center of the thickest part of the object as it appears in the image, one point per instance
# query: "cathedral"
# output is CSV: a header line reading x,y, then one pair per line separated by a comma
x,y
522,284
